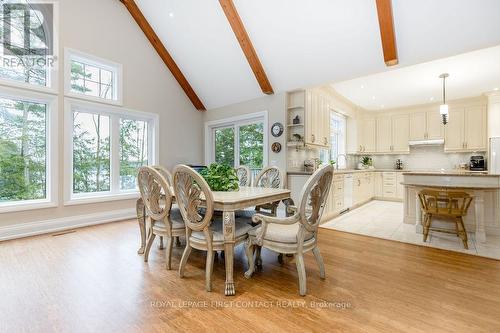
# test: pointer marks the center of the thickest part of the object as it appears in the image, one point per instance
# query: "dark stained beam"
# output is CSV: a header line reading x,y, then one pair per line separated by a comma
x,y
386,23
246,45
162,52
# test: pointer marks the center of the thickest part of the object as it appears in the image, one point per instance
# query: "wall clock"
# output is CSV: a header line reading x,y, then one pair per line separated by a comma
x,y
276,147
277,129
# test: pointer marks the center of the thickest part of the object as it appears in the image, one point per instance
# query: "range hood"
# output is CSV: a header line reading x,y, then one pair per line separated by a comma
x,y
434,142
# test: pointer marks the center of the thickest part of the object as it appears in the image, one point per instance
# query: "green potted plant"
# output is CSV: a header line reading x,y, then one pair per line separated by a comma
x,y
220,177
367,162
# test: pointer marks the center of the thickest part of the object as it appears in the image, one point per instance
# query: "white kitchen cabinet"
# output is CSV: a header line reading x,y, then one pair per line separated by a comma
x,y
399,187
400,133
418,127
466,130
317,119
455,131
378,185
384,134
425,126
367,135
435,127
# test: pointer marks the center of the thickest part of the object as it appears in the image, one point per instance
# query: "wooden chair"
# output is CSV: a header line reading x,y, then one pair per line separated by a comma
x,y
203,232
165,221
244,175
296,234
270,177
452,206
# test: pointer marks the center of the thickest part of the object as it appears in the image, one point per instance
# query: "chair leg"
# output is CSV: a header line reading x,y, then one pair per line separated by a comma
x,y
280,259
185,256
148,246
177,241
161,243
258,259
301,270
319,260
251,263
208,270
427,224
462,232
168,252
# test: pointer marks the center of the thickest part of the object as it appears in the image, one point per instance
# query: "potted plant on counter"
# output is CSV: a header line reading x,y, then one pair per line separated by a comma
x,y
366,162
220,177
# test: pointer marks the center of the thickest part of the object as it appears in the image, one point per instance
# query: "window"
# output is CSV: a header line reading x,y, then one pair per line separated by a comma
x,y
106,146
338,138
238,141
92,78
26,134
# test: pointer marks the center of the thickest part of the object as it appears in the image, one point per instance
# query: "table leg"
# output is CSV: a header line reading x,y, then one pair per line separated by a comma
x,y
141,218
418,217
229,226
479,210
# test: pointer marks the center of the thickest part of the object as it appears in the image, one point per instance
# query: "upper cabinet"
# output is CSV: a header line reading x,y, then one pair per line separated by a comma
x,y
367,135
426,126
392,134
312,110
466,130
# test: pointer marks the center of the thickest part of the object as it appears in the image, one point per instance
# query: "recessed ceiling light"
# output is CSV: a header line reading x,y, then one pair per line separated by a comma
x,y
171,14
382,106
432,98
373,97
495,88
362,86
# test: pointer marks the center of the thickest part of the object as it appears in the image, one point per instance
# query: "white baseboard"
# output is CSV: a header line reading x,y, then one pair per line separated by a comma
x,y
64,223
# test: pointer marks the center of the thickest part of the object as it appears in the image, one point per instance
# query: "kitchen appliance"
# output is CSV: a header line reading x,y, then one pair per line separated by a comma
x,y
399,164
477,163
494,160
429,142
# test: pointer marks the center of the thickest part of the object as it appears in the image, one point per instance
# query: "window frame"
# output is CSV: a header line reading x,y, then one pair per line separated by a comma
x,y
52,86
51,155
236,123
332,133
115,68
115,114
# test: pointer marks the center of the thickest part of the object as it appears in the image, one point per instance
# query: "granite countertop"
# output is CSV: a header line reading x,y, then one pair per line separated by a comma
x,y
466,173
343,171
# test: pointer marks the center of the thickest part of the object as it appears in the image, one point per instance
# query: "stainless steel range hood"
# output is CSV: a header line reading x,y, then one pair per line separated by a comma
x,y
435,142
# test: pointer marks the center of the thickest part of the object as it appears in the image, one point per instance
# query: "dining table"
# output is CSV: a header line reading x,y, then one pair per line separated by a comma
x,y
228,203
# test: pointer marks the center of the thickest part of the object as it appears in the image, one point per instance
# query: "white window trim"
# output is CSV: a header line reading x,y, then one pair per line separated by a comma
x,y
114,113
249,118
115,68
52,149
53,77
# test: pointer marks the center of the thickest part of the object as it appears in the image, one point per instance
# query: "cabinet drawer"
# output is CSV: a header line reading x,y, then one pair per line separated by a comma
x,y
389,182
338,186
390,191
338,177
339,204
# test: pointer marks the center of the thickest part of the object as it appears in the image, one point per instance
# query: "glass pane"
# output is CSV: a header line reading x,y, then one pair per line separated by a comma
x,y
133,151
91,88
91,153
224,146
91,80
22,150
252,145
106,91
92,73
106,77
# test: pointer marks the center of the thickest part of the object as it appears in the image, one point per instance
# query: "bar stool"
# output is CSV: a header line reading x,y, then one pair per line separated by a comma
x,y
452,206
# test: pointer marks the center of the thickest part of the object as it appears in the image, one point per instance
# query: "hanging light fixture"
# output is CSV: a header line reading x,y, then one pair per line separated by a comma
x,y
443,108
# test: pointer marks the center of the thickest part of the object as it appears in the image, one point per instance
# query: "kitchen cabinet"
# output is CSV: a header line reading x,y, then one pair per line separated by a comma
x,y
466,130
384,134
392,134
317,119
367,135
425,126
378,185
399,187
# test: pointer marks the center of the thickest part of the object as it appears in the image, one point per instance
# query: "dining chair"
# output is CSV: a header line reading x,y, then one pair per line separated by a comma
x,y
166,221
244,175
204,231
270,177
296,234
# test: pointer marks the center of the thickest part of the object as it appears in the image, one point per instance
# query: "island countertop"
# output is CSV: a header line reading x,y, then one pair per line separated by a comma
x,y
464,173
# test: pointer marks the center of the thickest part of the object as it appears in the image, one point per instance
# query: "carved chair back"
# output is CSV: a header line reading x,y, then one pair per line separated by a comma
x,y
155,192
244,175
313,198
165,173
194,198
270,177
449,203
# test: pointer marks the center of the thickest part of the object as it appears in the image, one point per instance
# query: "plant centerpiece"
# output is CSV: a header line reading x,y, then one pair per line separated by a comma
x,y
366,161
220,177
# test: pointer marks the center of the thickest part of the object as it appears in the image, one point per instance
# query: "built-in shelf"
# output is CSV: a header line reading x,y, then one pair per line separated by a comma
x,y
295,107
295,143
295,125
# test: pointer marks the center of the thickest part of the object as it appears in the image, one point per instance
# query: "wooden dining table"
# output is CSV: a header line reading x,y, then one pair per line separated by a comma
x,y
227,203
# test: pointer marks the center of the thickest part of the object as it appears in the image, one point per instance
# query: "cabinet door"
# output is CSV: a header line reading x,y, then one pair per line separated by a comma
x,y
418,128
384,134
368,135
379,184
309,119
454,131
399,188
475,128
356,190
323,121
435,127
400,130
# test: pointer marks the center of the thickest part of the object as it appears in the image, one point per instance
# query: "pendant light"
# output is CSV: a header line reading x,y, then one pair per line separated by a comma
x,y
443,108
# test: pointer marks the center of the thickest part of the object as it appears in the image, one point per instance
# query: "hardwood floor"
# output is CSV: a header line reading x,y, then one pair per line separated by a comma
x,y
93,280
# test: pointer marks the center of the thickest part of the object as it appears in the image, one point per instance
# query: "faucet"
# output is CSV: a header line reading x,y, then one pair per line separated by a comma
x,y
337,161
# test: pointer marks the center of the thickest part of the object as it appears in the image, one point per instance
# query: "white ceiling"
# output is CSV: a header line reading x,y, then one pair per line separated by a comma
x,y
471,74
310,42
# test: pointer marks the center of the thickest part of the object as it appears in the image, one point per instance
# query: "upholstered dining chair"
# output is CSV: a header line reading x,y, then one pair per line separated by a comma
x,y
204,231
244,175
298,233
165,221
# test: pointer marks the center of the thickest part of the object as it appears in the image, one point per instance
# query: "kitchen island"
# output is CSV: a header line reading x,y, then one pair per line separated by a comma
x,y
484,214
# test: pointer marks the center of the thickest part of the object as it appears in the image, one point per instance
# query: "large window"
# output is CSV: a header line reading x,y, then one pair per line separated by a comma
x,y
92,78
239,141
108,145
338,138
26,125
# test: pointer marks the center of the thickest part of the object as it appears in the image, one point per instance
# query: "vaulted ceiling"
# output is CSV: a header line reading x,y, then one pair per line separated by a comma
x,y
303,43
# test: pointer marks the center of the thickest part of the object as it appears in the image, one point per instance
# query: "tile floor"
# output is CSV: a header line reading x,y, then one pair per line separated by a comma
x,y
384,219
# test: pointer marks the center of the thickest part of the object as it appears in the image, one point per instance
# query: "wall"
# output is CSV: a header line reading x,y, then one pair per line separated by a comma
x,y
275,107
494,114
104,28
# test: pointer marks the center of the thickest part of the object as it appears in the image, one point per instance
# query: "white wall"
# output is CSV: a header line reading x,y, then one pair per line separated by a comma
x,y
104,28
275,107
494,114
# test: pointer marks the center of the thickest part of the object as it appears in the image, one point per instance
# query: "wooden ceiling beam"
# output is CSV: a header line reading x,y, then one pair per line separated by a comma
x,y
162,52
387,34
246,45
